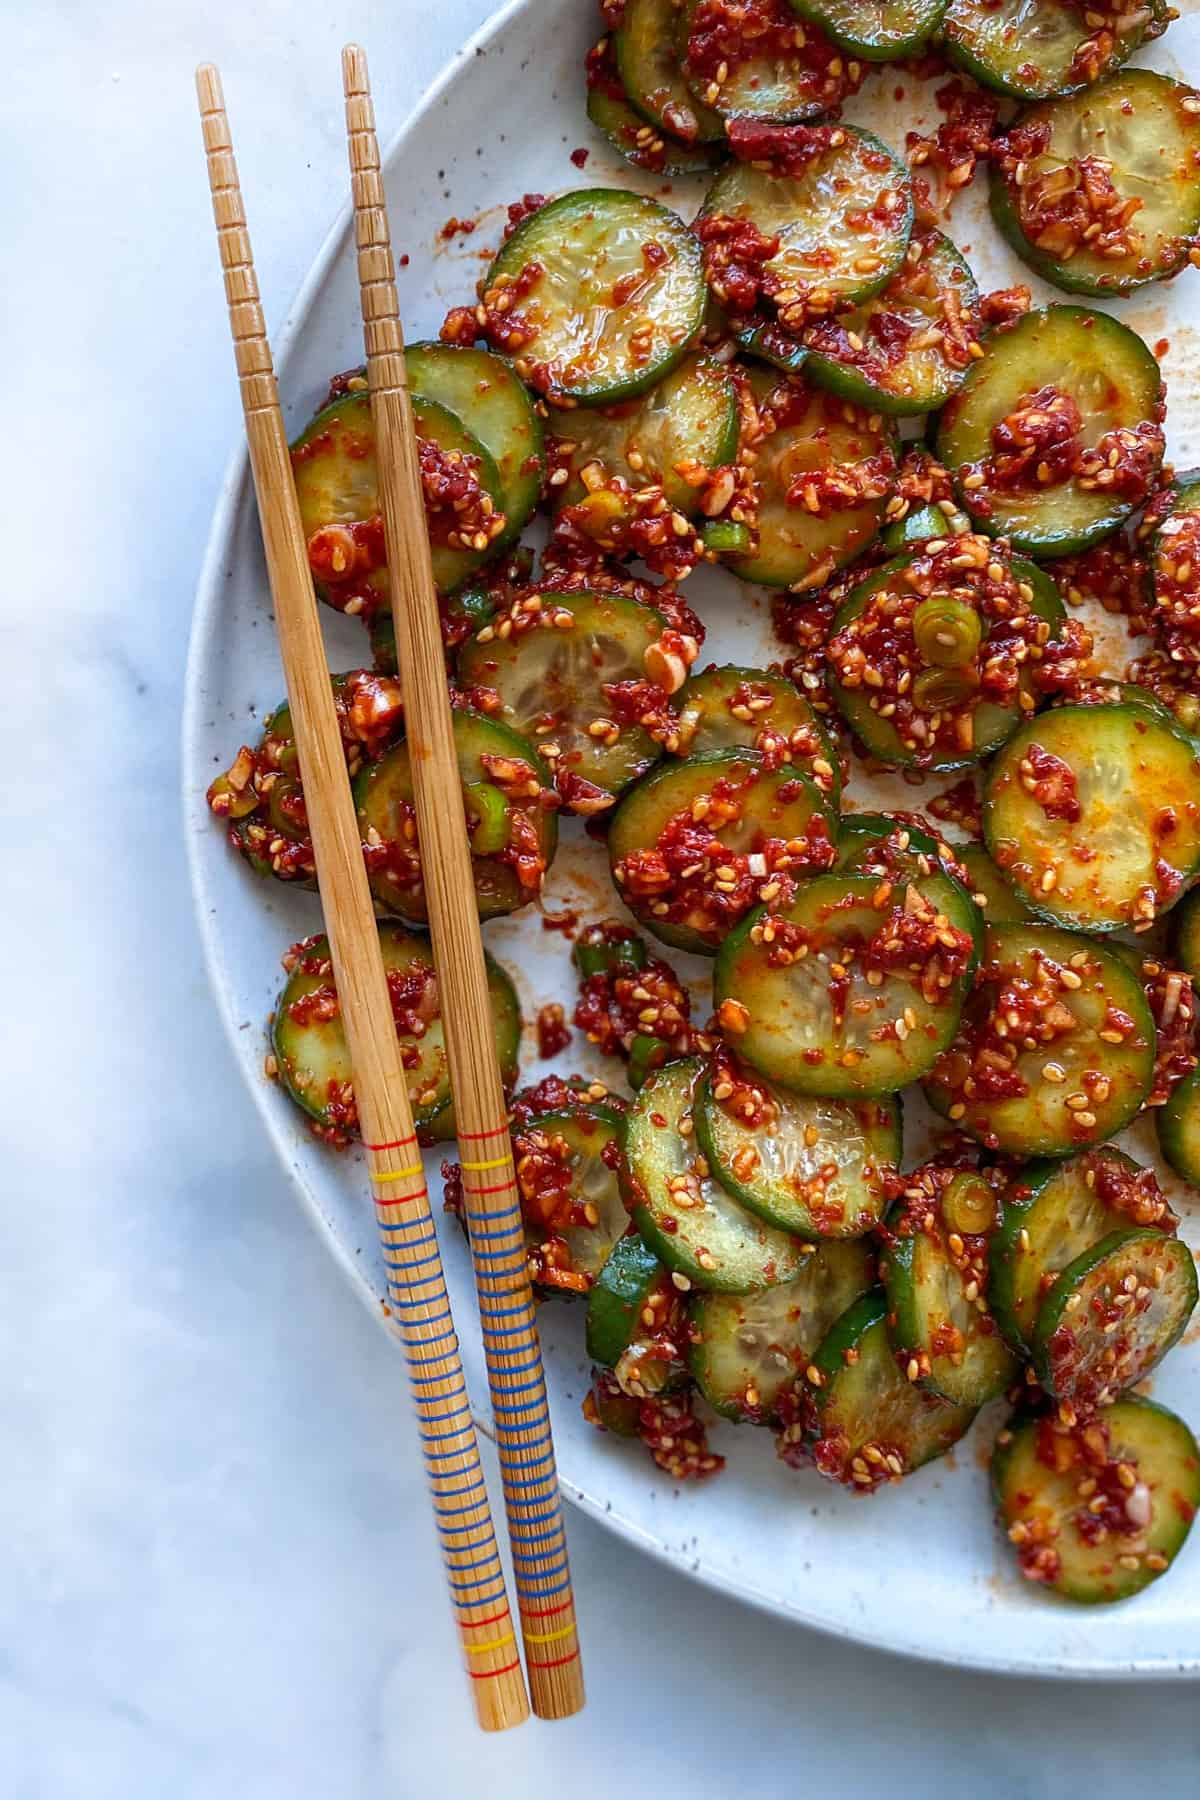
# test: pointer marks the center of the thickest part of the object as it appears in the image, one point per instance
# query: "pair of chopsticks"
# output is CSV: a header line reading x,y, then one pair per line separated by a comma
x,y
416,1286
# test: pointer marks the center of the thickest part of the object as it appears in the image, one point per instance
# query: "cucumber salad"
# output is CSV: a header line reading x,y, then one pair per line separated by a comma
x,y
858,1180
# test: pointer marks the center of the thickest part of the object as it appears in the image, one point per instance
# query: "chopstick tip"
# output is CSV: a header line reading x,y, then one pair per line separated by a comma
x,y
208,88
355,77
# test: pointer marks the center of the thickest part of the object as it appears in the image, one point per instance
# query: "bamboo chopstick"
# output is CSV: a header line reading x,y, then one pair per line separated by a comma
x,y
416,1286
492,1202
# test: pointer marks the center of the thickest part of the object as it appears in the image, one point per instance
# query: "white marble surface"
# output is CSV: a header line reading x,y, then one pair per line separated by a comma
x,y
216,1575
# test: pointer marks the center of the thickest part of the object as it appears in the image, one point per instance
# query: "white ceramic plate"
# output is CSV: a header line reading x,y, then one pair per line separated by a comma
x,y
918,1569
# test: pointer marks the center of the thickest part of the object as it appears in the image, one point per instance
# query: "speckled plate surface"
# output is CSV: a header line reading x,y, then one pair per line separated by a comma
x,y
918,1569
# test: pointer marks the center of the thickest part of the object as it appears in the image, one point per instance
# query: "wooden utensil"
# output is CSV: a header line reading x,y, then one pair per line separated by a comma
x,y
492,1201
416,1286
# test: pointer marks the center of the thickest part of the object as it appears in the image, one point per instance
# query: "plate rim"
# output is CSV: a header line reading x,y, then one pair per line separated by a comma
x,y
232,494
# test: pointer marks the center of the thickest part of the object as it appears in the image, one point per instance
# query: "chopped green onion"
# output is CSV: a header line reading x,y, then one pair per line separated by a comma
x,y
947,632
488,809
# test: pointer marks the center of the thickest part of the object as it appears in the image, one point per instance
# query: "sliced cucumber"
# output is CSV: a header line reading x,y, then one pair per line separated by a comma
x,y
1031,49
550,670
1112,1315
688,422
648,44
569,1158
702,1233
693,846
792,988
337,486
309,1041
510,836
874,844
1146,128
620,1295
770,343
874,1424
923,715
1054,1212
1093,814
1178,1126
611,290
938,1317
921,524
905,351
842,230
794,76
645,146
1047,1001
1097,365
727,707
484,392
1098,1512
799,545
998,902
811,1166
1175,567
1185,933
879,30
746,1348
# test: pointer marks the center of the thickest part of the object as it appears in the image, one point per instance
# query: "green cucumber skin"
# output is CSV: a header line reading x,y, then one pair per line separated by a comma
x,y
1185,934
908,1334
1047,542
619,121
748,1195
1053,1311
1050,268
1178,1126
523,247
1117,1584
435,372
616,1298
869,49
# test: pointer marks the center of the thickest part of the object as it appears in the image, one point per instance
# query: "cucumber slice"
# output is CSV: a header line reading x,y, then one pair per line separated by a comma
x,y
615,294
989,890
935,1279
923,523
504,862
1011,609
1032,49
811,433
1185,934
1096,364
309,1041
842,233
1175,568
1138,1459
727,707
723,537
770,343
621,1292
1053,1212
645,146
1065,992
566,1167
880,30
550,671
891,354
1178,1124
874,1425
689,421
1112,1315
337,486
484,391
702,1234
795,76
746,1348
1146,128
873,844
648,45
814,1167
792,988
693,847
1093,814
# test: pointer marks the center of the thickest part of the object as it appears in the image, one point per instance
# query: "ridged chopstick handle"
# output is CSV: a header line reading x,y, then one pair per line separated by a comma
x,y
416,1287
492,1201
